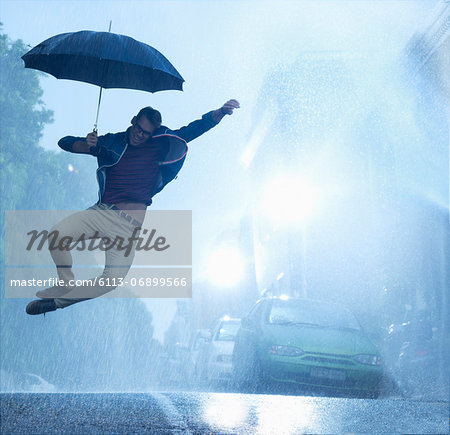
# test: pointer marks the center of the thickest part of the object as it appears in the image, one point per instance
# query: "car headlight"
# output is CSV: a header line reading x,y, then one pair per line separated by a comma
x,y
285,350
370,360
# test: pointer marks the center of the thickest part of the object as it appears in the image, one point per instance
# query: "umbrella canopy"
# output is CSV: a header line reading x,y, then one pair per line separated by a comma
x,y
104,59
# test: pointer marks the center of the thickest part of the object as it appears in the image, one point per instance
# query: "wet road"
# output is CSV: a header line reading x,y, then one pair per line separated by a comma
x,y
175,412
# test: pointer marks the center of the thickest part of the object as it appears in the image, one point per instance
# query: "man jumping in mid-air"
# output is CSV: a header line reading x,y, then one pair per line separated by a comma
x,y
133,166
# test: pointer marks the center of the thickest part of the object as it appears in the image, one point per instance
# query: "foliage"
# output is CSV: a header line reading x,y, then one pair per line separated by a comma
x,y
31,177
23,119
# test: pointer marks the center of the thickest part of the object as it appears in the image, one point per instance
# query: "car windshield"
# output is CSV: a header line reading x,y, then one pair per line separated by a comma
x,y
227,331
311,313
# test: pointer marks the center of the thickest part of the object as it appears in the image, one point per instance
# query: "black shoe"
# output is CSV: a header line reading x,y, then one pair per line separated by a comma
x,y
41,306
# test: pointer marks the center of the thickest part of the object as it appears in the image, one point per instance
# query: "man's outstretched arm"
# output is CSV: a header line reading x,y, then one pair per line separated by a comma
x,y
79,145
208,121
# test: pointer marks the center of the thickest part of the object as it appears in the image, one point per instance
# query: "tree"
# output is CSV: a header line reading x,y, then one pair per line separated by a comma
x,y
23,119
31,177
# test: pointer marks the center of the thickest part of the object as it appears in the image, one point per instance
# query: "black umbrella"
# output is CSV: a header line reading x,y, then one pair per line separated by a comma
x,y
104,59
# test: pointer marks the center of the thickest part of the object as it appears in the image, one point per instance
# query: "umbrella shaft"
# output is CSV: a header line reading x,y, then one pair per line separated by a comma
x,y
98,108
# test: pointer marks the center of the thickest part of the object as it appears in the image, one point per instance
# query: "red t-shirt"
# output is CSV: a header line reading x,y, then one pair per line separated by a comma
x,y
134,177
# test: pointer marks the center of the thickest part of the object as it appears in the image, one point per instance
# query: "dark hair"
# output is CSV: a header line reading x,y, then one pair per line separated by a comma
x,y
152,115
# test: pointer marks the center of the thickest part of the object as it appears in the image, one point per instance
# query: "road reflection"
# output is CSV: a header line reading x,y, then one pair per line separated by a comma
x,y
226,411
264,414
281,415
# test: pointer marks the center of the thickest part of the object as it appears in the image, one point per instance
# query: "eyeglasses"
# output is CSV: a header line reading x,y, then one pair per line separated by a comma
x,y
141,131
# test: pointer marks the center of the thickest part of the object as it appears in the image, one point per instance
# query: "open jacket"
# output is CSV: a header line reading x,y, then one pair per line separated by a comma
x,y
111,147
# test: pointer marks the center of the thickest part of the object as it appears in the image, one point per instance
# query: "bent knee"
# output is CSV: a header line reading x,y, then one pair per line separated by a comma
x,y
116,274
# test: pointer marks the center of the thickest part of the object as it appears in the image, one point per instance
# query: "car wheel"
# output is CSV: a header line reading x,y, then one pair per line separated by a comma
x,y
247,374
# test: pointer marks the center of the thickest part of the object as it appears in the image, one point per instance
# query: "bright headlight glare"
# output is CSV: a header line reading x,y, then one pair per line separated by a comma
x,y
285,351
371,360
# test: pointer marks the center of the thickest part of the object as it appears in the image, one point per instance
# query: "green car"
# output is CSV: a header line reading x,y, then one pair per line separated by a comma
x,y
305,342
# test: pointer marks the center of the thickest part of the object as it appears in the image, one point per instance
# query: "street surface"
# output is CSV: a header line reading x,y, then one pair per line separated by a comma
x,y
177,412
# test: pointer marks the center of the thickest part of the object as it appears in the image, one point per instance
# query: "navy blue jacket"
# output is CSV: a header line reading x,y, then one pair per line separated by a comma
x,y
111,147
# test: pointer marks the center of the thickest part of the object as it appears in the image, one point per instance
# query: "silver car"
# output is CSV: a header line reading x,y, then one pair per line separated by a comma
x,y
220,350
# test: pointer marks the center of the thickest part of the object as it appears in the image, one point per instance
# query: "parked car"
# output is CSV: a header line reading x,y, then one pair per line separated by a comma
x,y
220,350
197,355
25,383
413,355
305,342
